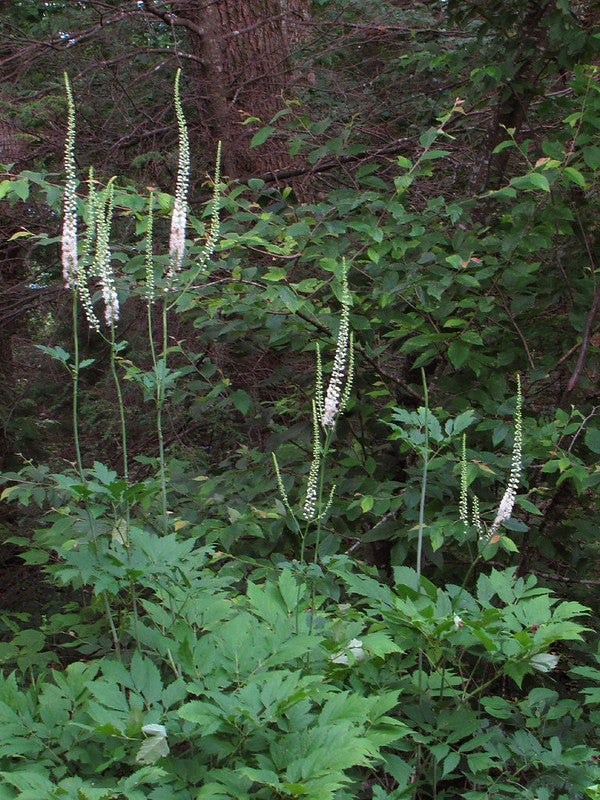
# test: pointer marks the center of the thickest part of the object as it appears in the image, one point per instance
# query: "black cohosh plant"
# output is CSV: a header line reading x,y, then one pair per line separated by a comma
x,y
326,408
93,262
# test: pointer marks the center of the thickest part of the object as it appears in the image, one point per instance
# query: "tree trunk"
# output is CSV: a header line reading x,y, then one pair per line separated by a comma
x,y
516,96
241,68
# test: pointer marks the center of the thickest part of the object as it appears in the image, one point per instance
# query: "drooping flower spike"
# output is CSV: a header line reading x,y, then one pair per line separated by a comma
x,y
77,269
180,206
179,216
148,260
508,500
83,288
325,411
215,221
69,229
337,394
463,507
102,262
310,503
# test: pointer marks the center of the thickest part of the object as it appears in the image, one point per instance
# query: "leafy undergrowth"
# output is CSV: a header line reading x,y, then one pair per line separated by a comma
x,y
263,679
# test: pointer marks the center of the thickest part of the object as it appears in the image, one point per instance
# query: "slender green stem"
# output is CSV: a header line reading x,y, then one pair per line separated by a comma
x,y
321,485
75,377
82,476
113,630
113,369
126,508
424,478
419,755
160,368
161,375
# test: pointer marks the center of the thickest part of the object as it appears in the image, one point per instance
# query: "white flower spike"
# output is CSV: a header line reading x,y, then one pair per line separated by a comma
x,y
334,399
508,500
179,216
69,230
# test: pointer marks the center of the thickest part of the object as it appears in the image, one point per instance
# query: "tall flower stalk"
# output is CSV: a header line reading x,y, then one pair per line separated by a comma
x,y
507,502
75,278
326,410
78,270
176,256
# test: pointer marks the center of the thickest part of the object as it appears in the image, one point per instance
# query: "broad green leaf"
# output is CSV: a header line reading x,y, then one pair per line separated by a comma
x,y
458,352
152,749
592,439
575,176
289,589
241,400
261,136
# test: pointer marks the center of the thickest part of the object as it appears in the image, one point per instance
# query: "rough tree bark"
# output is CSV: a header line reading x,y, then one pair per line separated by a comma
x,y
242,67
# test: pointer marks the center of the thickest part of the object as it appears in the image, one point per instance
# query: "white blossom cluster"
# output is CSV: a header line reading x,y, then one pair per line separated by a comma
x,y
99,216
338,394
508,500
104,208
215,222
69,228
463,505
148,249
326,409
310,504
179,216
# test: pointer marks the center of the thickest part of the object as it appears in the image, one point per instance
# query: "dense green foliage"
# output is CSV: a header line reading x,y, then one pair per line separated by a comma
x,y
192,636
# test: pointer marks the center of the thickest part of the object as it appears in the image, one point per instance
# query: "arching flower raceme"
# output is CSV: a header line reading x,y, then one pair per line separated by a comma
x,y
215,222
310,503
335,399
325,411
148,263
102,261
69,228
179,216
463,508
77,270
508,500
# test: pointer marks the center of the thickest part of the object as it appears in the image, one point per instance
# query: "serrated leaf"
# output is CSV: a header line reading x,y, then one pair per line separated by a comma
x,y
21,188
503,146
575,176
592,439
428,138
450,763
497,707
288,589
534,180
152,749
241,400
527,505
458,352
367,503
261,136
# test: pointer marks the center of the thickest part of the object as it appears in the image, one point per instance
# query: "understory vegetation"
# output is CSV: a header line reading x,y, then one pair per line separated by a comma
x,y
300,482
